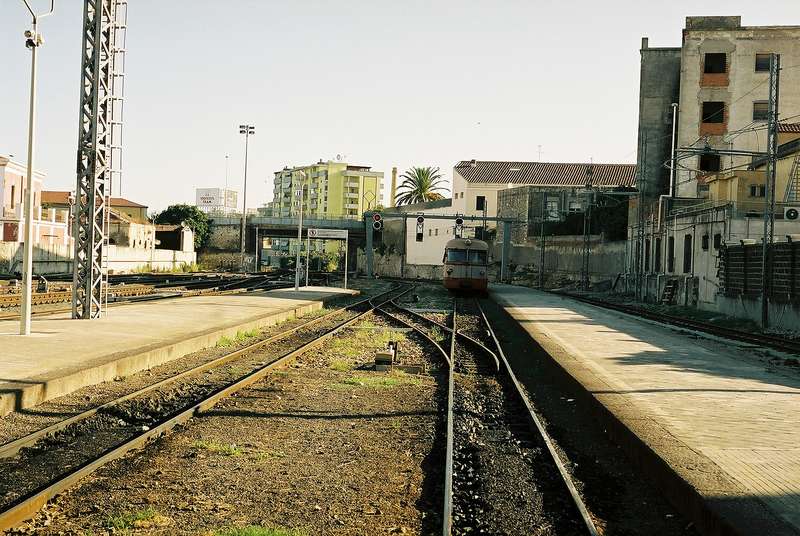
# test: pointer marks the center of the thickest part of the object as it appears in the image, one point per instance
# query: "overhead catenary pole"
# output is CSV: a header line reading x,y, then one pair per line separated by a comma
x,y
32,40
769,202
247,130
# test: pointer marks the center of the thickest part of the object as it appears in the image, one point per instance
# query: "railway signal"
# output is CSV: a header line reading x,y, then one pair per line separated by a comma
x,y
377,221
459,227
420,227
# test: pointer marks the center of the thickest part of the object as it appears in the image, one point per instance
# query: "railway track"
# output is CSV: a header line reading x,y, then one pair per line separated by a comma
x,y
758,339
43,464
496,444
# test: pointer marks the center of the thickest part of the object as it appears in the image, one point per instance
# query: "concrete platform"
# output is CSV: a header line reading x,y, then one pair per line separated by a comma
x,y
717,429
63,355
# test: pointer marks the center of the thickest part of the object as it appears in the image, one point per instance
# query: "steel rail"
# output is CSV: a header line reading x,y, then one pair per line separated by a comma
x,y
565,476
11,448
27,506
427,337
777,343
447,511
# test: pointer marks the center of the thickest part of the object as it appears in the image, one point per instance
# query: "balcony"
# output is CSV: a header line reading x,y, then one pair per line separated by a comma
x,y
714,80
351,184
351,195
351,205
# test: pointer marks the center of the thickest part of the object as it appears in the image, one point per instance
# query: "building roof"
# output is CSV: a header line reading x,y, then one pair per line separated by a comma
x,y
546,173
50,197
427,205
789,127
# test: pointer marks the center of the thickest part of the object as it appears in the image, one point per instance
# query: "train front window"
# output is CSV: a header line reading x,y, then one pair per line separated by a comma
x,y
456,255
477,256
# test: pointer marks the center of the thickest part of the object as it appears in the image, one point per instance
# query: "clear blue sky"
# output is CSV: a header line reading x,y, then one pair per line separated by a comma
x,y
381,82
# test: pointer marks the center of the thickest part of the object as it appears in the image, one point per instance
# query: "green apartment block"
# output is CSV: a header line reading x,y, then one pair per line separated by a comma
x,y
331,190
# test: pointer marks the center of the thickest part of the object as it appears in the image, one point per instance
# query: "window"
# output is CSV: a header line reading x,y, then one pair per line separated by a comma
x,y
477,256
575,206
760,110
758,190
713,112
480,202
671,254
436,232
717,241
762,63
687,254
456,255
13,196
710,162
715,62
430,232
704,242
657,256
551,208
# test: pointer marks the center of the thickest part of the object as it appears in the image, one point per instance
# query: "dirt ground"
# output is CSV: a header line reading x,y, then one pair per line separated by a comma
x,y
321,447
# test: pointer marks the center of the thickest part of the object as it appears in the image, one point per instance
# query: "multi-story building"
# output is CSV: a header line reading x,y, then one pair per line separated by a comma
x,y
718,78
50,225
331,189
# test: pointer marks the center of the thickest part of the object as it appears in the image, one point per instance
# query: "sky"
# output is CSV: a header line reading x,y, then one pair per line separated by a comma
x,y
379,82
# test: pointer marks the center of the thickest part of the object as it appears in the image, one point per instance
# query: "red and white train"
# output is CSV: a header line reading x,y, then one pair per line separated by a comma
x,y
466,265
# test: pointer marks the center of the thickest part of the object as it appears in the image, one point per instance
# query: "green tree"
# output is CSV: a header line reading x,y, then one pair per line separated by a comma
x,y
196,219
419,184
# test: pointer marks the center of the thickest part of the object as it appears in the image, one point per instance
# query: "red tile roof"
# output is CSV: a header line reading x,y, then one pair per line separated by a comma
x,y
62,198
546,173
789,127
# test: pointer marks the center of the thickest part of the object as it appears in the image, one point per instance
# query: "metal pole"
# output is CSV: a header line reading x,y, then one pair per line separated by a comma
x,y
244,194
299,235
541,245
308,256
255,249
27,255
769,202
674,165
346,249
225,194
368,251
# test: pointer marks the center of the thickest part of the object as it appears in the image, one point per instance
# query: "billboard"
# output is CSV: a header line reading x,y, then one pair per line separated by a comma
x,y
209,199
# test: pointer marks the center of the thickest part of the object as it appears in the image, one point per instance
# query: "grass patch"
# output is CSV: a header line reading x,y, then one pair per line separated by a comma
x,y
437,334
382,381
270,455
341,365
259,531
129,520
240,337
355,342
218,448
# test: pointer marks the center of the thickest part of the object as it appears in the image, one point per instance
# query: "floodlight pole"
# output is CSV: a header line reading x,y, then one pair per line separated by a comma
x,y
299,193
769,201
32,40
247,130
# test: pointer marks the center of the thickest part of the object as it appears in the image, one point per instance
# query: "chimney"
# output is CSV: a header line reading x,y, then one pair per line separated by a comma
x,y
394,187
472,163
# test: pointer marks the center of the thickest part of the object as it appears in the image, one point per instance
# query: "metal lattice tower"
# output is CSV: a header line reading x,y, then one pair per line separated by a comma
x,y
792,194
95,170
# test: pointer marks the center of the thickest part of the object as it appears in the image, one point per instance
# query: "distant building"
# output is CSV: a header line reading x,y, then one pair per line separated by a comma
x,y
332,189
477,183
216,200
129,209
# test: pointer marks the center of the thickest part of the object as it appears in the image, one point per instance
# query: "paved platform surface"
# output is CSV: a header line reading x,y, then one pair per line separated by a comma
x,y
63,355
726,423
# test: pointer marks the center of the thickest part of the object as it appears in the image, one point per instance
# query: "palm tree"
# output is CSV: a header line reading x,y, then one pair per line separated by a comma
x,y
419,184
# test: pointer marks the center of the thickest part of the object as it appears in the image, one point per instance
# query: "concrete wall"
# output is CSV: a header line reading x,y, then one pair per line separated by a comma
x,y
564,257
57,259
659,83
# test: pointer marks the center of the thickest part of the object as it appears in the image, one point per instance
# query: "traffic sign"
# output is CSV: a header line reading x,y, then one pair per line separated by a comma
x,y
337,234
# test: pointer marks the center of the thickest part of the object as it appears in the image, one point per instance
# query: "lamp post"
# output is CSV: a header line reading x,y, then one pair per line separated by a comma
x,y
299,194
225,193
33,40
247,130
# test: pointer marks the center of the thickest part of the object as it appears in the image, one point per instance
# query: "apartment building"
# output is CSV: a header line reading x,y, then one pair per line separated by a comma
x,y
331,189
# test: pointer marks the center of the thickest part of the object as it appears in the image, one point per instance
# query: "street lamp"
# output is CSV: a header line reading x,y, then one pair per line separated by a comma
x,y
299,194
247,130
33,40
